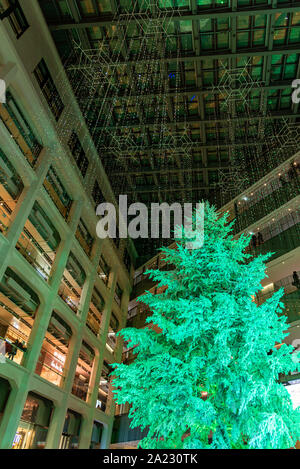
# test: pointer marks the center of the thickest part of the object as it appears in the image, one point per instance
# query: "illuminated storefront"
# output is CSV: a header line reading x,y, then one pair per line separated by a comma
x,y
33,427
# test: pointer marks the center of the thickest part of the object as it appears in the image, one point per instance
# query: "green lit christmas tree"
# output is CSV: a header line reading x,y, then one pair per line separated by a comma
x,y
214,368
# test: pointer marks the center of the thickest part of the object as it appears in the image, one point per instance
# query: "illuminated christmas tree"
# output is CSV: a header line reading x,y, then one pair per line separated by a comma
x,y
213,370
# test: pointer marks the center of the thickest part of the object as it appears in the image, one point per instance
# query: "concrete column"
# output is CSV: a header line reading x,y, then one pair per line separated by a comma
x,y
86,430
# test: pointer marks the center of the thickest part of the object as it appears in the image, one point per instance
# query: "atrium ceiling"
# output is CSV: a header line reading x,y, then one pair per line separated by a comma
x,y
185,99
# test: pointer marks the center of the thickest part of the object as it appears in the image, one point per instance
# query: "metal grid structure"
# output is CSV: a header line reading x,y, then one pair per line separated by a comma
x,y
170,94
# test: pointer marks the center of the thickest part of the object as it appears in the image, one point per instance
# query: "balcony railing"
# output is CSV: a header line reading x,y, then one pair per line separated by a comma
x,y
101,402
266,205
111,342
291,298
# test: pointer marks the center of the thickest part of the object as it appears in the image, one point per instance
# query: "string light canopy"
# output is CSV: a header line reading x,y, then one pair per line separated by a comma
x,y
215,77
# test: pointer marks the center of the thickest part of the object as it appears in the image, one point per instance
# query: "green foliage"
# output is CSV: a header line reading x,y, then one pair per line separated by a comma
x,y
214,340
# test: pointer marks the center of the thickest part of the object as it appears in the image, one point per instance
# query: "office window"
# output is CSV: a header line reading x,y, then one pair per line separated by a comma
x,y
117,238
78,153
11,9
49,89
19,129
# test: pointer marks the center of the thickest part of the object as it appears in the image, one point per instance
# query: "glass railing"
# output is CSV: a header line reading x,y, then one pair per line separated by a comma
x,y
289,283
105,396
268,161
266,205
80,390
291,305
292,308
